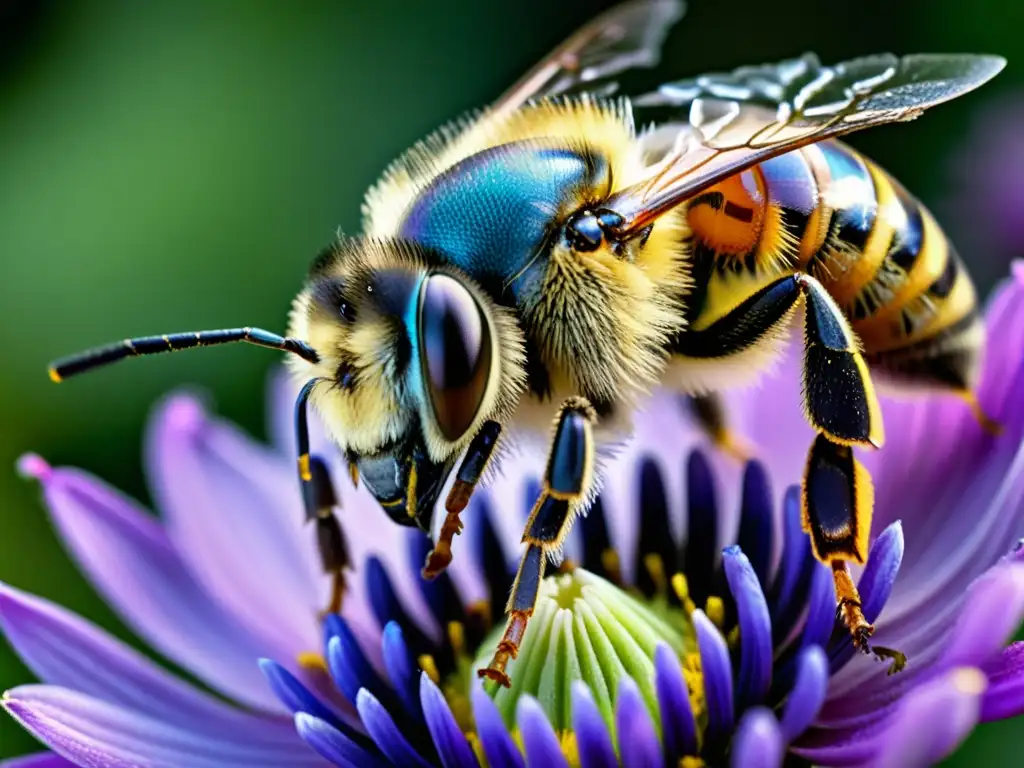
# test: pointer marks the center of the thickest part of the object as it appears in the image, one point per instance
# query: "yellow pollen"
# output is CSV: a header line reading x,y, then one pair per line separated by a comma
x,y
691,762
304,471
715,610
312,661
55,376
427,664
481,609
734,637
457,637
610,563
477,747
682,589
570,750
656,570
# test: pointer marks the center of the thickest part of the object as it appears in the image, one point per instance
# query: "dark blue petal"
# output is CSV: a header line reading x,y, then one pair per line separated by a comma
x,y
789,591
875,586
717,672
297,697
497,742
638,741
490,556
385,733
679,731
333,745
808,693
451,744
593,742
439,593
401,668
701,549
755,534
539,739
758,742
388,607
351,669
755,675
821,609
655,537
596,540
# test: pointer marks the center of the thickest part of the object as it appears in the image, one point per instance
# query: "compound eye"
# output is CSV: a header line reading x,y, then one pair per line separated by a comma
x,y
455,353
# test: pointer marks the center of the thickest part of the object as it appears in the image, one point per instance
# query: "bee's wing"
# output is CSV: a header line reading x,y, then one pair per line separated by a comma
x,y
729,122
626,36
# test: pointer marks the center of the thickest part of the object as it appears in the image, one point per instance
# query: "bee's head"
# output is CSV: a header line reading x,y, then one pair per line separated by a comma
x,y
413,359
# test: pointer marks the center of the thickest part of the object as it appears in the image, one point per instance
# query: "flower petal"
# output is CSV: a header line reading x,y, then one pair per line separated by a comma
x,y
700,556
758,742
298,698
539,739
756,534
500,750
717,671
65,650
638,741
228,504
805,699
451,744
91,732
1005,694
402,672
41,760
127,555
679,731
932,720
385,733
821,609
755,675
991,614
789,590
593,741
333,745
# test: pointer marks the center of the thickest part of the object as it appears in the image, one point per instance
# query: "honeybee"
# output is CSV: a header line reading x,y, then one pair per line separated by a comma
x,y
545,258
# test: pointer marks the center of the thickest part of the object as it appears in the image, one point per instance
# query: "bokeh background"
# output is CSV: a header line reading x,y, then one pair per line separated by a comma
x,y
174,165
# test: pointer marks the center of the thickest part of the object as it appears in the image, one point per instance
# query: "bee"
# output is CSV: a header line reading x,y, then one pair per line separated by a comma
x,y
544,258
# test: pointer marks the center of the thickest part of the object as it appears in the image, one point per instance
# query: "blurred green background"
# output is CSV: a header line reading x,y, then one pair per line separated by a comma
x,y
174,165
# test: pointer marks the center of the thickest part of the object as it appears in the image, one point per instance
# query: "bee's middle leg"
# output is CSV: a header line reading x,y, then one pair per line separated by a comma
x,y
710,413
570,469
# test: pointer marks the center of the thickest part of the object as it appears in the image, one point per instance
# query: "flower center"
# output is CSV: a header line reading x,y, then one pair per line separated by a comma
x,y
584,628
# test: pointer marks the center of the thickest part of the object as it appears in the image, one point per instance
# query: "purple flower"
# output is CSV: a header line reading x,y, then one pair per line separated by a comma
x,y
695,624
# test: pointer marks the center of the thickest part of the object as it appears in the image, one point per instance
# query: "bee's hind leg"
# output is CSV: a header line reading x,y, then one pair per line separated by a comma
x,y
710,413
567,479
837,502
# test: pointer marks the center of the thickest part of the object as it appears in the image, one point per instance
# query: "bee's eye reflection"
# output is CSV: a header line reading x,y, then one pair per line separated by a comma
x,y
455,353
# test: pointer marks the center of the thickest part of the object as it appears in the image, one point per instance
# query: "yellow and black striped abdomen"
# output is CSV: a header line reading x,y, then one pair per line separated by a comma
x,y
826,210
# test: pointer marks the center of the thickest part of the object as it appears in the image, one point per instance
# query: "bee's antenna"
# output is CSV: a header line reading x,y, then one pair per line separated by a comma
x,y
152,345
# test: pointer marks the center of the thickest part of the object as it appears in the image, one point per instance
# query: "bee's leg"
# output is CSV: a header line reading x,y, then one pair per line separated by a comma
x,y
566,482
472,467
709,411
837,502
320,500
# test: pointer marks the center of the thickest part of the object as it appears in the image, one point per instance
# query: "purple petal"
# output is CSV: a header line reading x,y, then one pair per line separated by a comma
x,y
756,534
755,628
500,750
805,699
298,698
638,741
333,745
88,731
932,720
758,742
593,741
717,672
402,672
350,668
821,609
991,614
700,554
1005,694
385,733
229,504
452,747
679,731
795,568
65,650
127,555
41,760
539,739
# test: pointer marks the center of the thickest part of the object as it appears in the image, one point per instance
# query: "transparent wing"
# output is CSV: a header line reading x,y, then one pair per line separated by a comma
x,y
626,36
729,122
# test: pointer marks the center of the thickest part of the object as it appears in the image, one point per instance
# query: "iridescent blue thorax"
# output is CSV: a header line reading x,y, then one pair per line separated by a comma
x,y
492,213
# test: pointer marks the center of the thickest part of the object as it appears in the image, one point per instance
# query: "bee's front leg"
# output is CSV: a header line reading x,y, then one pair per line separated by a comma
x,y
570,470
